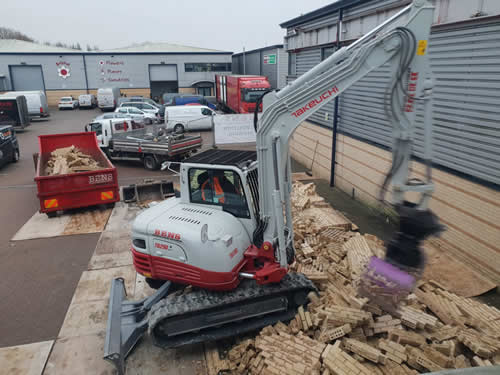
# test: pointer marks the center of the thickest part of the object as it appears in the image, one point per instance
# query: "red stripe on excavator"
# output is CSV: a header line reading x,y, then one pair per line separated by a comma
x,y
178,272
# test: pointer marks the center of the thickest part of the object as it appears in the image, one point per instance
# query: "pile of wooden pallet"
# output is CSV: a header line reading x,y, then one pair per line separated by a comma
x,y
339,332
70,160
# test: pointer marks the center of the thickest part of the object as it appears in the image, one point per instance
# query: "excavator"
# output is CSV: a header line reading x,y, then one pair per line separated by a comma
x,y
229,234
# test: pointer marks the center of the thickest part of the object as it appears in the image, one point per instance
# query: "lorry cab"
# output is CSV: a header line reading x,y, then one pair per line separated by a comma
x,y
251,90
105,128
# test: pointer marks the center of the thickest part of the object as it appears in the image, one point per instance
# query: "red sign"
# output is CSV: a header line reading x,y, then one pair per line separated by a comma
x,y
412,87
169,235
327,94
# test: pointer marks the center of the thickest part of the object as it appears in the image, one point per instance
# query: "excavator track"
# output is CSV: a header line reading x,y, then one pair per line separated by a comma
x,y
208,315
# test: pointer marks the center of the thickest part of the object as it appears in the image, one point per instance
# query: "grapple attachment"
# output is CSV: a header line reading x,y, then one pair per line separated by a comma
x,y
387,282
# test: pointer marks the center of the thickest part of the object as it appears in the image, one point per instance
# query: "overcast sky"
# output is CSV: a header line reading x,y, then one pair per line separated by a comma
x,y
227,25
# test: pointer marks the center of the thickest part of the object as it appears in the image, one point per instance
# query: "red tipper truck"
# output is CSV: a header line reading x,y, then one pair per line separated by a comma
x,y
80,189
239,93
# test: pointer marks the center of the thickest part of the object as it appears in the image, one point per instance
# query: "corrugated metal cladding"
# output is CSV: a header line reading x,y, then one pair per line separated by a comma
x,y
466,116
254,64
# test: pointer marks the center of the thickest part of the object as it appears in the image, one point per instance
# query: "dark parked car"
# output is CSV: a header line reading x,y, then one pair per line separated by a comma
x,y
186,99
9,147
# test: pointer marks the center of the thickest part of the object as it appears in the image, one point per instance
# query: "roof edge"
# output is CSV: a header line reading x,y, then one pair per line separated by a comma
x,y
259,49
328,9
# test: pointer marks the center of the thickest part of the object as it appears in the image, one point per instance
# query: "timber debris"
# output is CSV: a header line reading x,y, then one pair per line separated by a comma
x,y
340,333
70,160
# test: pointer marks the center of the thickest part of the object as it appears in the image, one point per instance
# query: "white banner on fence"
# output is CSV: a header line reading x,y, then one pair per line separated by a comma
x,y
236,128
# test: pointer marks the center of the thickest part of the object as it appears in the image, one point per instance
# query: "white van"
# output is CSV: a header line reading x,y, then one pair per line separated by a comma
x,y
87,101
188,117
36,101
107,98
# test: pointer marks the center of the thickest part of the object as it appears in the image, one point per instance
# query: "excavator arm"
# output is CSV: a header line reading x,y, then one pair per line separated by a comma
x,y
401,42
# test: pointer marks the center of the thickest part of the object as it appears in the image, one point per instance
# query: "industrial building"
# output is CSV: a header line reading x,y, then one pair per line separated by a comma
x,y
350,146
271,62
148,69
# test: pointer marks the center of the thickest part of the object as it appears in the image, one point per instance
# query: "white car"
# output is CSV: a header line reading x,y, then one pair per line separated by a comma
x,y
182,118
67,102
138,115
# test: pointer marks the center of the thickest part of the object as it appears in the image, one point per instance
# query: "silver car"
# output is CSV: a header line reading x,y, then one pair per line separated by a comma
x,y
138,115
111,115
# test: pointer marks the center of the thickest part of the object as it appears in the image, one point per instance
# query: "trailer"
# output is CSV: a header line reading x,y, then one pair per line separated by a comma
x,y
14,111
239,93
120,141
74,190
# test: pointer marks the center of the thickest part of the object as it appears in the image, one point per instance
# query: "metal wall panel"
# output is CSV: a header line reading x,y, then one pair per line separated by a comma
x,y
237,65
50,65
362,18
306,60
124,71
466,114
270,70
254,64
282,68
129,71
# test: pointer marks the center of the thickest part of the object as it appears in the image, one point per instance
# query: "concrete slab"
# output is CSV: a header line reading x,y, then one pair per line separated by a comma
x,y
80,355
27,359
99,261
142,289
147,359
83,355
95,285
85,318
82,222
116,236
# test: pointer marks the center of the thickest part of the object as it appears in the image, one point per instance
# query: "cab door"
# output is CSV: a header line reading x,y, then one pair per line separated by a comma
x,y
98,129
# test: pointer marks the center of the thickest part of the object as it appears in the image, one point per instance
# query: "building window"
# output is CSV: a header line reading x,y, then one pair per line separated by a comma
x,y
207,67
326,52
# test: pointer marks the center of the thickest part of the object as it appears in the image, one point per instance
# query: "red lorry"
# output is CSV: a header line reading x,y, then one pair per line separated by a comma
x,y
239,93
80,189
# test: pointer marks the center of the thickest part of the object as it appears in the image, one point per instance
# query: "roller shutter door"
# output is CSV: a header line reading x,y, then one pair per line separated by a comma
x,y
163,73
27,78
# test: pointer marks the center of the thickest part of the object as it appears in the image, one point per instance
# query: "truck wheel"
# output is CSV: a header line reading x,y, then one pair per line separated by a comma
x,y
15,157
150,162
179,128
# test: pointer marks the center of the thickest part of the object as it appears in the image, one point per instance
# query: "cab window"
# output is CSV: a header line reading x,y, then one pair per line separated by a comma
x,y
96,127
218,187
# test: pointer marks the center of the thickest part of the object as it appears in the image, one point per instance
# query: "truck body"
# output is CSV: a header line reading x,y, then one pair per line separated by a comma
x,y
122,140
35,100
14,111
73,190
9,147
239,93
107,98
